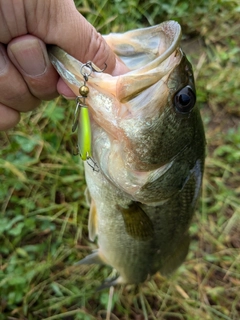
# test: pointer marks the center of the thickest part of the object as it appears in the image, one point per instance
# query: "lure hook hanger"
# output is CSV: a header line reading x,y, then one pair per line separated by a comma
x,y
92,67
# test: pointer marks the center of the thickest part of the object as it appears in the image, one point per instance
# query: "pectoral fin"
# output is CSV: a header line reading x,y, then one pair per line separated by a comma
x,y
137,223
92,221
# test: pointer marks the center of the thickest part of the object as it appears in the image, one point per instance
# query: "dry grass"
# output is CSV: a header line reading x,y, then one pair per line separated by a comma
x,y
43,228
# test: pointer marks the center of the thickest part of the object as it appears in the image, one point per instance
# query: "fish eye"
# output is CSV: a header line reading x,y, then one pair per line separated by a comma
x,y
185,99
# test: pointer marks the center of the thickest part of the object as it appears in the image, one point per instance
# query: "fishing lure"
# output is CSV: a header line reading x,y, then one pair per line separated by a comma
x,y
82,118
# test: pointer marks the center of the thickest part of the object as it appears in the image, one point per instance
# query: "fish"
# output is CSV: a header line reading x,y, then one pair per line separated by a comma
x,y
148,143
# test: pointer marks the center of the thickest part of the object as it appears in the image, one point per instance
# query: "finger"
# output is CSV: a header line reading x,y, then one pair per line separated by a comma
x,y
14,92
70,30
64,90
29,55
57,22
8,117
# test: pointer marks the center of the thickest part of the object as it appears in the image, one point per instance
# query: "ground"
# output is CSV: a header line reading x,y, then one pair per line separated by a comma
x,y
43,228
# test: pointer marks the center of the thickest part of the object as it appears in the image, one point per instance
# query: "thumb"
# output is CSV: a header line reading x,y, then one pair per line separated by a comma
x,y
68,29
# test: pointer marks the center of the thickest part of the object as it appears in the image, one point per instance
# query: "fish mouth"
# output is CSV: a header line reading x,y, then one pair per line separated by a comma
x,y
146,47
149,53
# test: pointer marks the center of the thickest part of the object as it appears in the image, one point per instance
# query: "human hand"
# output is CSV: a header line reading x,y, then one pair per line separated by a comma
x,y
26,74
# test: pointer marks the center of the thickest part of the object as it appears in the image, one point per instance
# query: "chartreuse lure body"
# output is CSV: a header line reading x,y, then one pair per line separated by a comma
x,y
84,133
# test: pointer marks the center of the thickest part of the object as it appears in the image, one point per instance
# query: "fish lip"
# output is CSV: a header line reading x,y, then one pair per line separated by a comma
x,y
168,31
159,55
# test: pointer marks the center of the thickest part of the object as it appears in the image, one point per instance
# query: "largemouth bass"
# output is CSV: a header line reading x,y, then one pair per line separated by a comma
x,y
148,143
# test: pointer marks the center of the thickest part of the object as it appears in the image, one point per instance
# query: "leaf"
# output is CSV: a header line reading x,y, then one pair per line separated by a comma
x,y
15,170
53,112
27,143
17,230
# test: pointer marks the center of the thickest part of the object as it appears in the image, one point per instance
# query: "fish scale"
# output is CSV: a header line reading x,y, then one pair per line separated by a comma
x,y
149,146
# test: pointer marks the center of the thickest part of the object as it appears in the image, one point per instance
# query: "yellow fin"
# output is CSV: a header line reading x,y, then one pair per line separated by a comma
x,y
137,223
87,196
92,221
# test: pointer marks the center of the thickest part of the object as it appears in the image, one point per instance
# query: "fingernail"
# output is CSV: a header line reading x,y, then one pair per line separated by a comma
x,y
29,56
3,61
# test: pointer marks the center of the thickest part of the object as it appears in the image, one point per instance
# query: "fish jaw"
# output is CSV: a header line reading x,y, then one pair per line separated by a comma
x,y
149,53
126,109
142,50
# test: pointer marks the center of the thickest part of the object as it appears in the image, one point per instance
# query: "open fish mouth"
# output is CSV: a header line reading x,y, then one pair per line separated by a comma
x,y
147,52
158,69
148,47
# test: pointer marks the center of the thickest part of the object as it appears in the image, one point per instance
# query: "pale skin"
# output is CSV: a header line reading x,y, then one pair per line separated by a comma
x,y
26,74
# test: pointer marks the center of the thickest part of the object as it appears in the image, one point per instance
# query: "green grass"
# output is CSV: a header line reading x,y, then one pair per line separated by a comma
x,y
43,228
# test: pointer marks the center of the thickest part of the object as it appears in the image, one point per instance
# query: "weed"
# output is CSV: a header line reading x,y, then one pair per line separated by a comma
x,y
43,228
